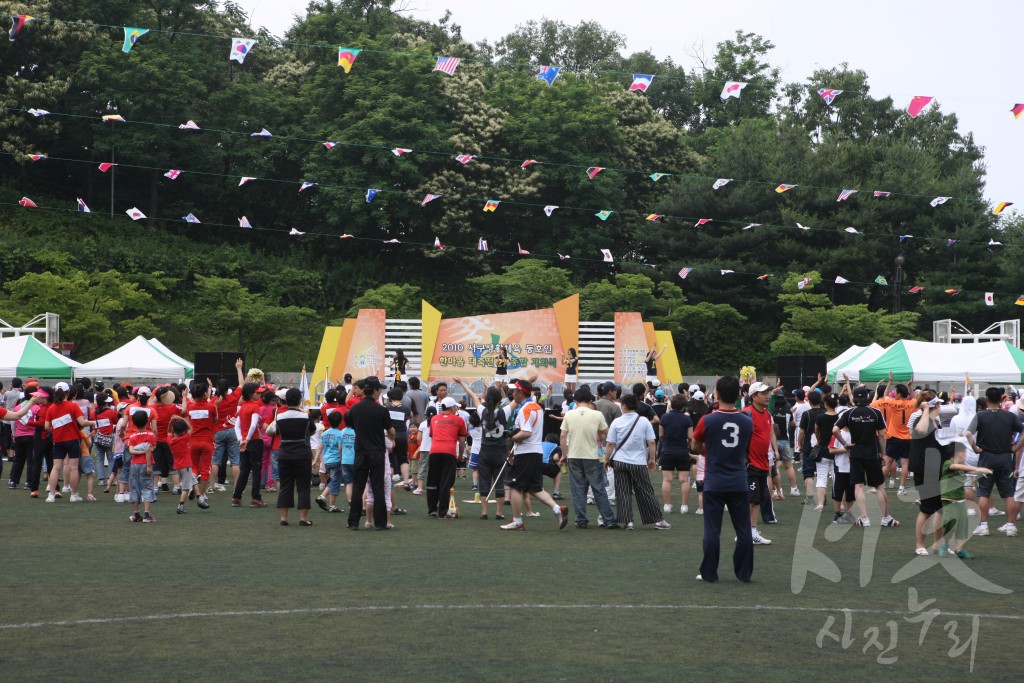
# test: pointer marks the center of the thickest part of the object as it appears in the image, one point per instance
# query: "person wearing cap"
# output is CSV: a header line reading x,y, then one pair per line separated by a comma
x,y
64,419
867,429
526,476
761,439
371,422
447,439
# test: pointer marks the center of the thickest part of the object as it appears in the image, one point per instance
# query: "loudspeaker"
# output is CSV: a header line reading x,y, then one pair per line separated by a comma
x,y
796,372
218,365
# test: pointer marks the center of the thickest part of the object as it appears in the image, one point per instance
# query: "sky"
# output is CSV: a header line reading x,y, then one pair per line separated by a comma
x,y
960,53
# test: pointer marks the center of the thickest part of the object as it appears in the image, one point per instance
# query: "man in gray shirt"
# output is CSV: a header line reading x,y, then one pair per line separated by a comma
x,y
607,393
418,398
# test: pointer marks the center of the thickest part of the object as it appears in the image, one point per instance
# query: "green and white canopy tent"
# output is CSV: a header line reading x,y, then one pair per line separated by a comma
x,y
850,362
25,356
914,361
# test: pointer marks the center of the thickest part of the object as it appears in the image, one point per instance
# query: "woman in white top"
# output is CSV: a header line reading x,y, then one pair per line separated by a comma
x,y
630,449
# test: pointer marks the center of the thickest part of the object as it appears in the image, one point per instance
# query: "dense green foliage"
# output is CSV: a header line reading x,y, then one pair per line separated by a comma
x,y
211,286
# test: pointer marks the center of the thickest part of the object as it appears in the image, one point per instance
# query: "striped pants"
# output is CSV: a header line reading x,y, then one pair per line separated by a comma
x,y
635,479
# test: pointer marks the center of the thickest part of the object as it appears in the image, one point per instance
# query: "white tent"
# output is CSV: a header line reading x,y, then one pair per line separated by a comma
x,y
171,354
916,361
25,356
851,365
136,359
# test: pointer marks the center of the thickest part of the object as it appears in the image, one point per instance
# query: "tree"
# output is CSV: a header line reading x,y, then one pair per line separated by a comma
x,y
525,285
400,301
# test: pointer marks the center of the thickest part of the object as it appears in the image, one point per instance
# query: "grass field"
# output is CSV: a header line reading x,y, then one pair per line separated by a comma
x,y
227,594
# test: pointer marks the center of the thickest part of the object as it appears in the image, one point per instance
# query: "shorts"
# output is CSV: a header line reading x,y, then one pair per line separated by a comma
x,y
700,486
67,449
140,485
86,466
126,469
842,487
334,478
348,474
898,449
225,442
526,473
785,452
474,461
675,462
399,455
1018,494
115,467
570,378
163,459
757,484
186,478
866,471
929,506
808,467
1001,478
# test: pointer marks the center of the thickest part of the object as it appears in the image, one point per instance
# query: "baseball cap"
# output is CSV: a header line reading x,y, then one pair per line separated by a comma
x,y
281,392
698,395
758,387
110,399
31,382
659,394
61,385
655,382
372,383
693,388
448,403
143,390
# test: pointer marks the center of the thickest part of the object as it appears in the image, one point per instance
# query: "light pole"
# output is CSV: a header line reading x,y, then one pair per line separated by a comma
x,y
898,283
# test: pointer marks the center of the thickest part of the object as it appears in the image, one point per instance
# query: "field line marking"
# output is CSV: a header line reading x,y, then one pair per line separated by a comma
x,y
399,608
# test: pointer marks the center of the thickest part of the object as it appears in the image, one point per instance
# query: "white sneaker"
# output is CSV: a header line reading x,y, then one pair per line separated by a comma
x,y
683,509
700,511
662,524
513,526
872,490
67,489
1010,530
51,499
901,490
982,530
760,540
992,512
629,526
1006,526
75,498
219,487
666,508
118,498
794,491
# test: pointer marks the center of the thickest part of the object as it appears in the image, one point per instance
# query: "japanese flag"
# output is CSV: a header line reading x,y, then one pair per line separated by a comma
x,y
607,254
989,299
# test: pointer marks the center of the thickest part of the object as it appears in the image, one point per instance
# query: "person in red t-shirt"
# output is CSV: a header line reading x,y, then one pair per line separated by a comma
x,y
140,482
447,439
761,439
179,439
225,438
204,417
64,419
250,442
166,406
330,405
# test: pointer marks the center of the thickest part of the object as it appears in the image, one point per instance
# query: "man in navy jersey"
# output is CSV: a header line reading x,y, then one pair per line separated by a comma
x,y
725,435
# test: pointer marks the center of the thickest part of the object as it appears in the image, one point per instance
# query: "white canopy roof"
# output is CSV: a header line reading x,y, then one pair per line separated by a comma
x,y
849,364
136,359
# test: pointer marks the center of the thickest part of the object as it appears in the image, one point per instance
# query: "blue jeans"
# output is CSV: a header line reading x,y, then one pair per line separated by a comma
x,y
585,471
225,442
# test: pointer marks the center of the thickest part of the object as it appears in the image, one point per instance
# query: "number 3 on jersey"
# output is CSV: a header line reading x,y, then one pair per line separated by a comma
x,y
734,431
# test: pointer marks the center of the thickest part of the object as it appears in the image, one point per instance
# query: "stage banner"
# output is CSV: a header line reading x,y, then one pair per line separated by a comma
x,y
361,347
536,341
631,346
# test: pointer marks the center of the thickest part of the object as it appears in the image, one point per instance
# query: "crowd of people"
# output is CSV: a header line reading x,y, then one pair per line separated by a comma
x,y
729,447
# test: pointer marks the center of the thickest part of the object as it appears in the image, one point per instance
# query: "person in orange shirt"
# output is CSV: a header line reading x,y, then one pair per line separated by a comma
x,y
897,444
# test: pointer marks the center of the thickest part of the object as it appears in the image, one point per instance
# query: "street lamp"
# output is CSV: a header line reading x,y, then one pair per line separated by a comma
x,y
898,283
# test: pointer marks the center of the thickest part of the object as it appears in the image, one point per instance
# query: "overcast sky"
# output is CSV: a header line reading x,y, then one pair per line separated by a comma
x,y
962,53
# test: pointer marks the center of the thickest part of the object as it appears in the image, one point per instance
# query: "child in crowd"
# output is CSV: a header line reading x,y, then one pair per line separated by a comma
x,y
121,447
424,431
328,457
86,464
476,437
348,461
140,446
179,436
699,482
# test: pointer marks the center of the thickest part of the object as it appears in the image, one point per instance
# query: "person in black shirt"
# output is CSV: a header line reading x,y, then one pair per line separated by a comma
x,y
807,465
371,422
992,439
867,443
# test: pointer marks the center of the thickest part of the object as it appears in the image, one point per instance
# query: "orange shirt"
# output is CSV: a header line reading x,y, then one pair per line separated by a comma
x,y
896,412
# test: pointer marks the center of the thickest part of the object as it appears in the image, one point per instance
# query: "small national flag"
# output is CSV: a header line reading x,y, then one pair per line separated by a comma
x,y
840,280
481,244
464,158
989,299
684,272
347,57
1017,110
1020,300
549,210
564,257
721,182
240,48
188,125
854,231
917,104
607,255
752,225
880,280
38,112
370,195
952,292
245,179
529,162
82,207
654,217
939,200
829,94
658,176
105,166
399,151
641,82
904,238
191,218
951,242
993,245
437,243
295,233
429,198
447,65
521,250
491,205
36,157
802,227
882,194
803,283
784,187
764,277
726,272
603,215
330,145
593,171
347,236
18,22
172,174
916,290
28,203
135,214
732,89
264,133
131,36
392,241
243,222
1000,207
701,221
548,74
845,194
113,118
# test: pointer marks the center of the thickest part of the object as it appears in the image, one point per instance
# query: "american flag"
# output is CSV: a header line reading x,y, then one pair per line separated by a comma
x,y
846,194
447,65
429,198
684,272
880,193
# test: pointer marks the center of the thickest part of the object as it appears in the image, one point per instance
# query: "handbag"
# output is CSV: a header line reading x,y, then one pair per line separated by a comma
x,y
103,440
271,429
608,460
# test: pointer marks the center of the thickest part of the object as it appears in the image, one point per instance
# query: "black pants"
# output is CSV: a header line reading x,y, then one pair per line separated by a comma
x,y
368,468
739,511
251,462
22,457
293,474
42,450
440,480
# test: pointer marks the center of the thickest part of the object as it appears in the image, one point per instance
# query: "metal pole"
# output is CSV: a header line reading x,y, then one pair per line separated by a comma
x,y
900,260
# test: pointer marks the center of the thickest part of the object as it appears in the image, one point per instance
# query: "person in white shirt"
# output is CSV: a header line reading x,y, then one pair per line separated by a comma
x,y
630,452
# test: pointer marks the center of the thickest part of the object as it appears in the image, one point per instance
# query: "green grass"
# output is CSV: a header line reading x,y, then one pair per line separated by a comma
x,y
457,600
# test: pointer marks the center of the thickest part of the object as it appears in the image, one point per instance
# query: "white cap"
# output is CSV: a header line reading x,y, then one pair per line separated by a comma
x,y
655,382
758,387
61,385
448,402
281,392
693,388
698,395
143,390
